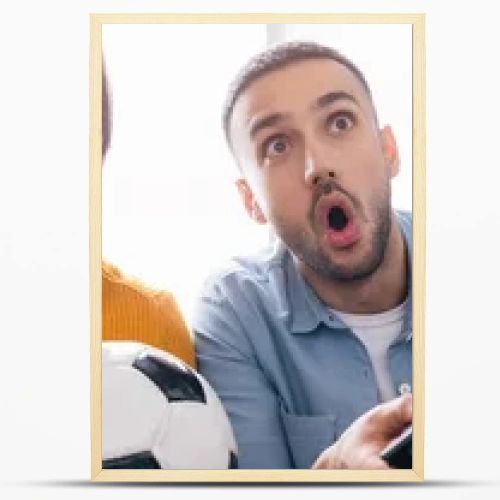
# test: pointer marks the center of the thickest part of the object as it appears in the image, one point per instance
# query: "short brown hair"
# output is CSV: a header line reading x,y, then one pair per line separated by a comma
x,y
277,57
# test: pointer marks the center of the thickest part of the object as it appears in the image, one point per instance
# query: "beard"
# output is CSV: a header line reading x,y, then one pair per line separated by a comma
x,y
308,250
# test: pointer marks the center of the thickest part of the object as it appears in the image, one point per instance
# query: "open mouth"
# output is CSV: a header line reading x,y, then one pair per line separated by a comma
x,y
337,218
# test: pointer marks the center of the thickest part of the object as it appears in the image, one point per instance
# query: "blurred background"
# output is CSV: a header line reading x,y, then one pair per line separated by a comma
x,y
171,213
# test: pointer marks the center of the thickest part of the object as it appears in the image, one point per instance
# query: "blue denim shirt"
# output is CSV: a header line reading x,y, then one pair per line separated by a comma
x,y
290,374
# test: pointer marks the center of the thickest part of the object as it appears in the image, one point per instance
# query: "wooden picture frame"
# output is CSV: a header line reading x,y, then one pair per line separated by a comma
x,y
417,21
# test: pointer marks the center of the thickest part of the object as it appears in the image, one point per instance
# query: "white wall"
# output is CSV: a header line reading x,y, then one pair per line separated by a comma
x,y
44,318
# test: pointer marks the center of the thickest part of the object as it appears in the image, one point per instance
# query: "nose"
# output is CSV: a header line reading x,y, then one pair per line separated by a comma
x,y
317,167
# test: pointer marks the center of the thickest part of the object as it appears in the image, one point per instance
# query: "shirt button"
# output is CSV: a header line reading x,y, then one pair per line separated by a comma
x,y
404,388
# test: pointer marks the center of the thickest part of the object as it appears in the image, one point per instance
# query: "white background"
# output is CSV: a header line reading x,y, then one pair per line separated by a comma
x,y
45,426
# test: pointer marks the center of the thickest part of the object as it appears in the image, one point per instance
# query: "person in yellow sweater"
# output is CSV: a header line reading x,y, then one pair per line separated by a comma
x,y
131,310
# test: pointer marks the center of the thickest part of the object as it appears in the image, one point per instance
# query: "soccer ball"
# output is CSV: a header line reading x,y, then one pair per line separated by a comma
x,y
158,413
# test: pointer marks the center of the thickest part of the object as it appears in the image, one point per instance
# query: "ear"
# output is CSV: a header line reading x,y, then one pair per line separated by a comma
x,y
249,201
390,150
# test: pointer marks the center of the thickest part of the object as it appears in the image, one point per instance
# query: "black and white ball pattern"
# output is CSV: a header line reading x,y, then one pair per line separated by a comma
x,y
158,413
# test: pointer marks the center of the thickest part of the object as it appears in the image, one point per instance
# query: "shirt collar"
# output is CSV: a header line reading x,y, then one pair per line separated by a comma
x,y
306,309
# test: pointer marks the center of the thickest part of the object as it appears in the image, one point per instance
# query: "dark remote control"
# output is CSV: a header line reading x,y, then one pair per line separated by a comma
x,y
398,453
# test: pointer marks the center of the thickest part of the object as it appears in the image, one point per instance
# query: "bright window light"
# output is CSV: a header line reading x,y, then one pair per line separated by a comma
x,y
171,212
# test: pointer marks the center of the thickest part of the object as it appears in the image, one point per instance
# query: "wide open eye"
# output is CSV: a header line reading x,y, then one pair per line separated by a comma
x,y
275,146
340,122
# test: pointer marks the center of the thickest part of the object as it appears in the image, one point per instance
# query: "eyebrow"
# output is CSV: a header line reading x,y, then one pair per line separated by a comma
x,y
265,121
330,97
274,118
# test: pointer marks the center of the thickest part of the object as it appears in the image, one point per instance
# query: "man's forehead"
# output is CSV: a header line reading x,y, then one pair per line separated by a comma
x,y
296,85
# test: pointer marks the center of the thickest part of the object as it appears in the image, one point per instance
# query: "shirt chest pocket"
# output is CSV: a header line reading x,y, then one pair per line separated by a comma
x,y
308,436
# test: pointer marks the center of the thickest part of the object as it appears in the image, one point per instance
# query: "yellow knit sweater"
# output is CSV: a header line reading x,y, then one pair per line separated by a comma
x,y
132,311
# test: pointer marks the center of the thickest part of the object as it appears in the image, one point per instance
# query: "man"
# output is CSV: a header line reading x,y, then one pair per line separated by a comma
x,y
308,344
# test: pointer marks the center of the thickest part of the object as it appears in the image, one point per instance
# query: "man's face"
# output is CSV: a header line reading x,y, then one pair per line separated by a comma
x,y
316,165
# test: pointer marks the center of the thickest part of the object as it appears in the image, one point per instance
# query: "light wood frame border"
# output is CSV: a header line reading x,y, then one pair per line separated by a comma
x,y
258,476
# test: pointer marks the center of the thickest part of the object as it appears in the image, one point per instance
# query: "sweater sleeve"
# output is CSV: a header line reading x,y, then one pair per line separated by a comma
x,y
134,312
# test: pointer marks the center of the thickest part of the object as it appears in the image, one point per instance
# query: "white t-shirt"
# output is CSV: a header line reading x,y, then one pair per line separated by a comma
x,y
377,332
